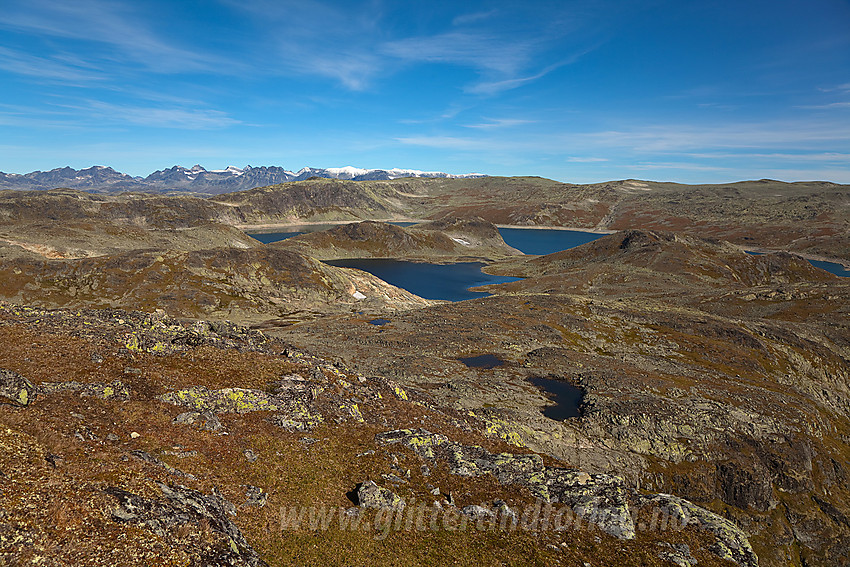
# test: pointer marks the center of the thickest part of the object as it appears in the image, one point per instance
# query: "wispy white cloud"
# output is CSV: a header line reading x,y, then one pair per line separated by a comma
x,y
798,134
45,69
477,50
87,114
159,117
844,87
495,87
574,159
826,106
351,44
492,123
474,17
652,166
112,23
786,157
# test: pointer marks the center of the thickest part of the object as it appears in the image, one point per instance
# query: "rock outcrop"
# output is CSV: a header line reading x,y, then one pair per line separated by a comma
x,y
179,506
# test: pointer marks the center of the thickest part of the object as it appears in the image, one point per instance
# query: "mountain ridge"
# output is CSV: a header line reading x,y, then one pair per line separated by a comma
x,y
197,179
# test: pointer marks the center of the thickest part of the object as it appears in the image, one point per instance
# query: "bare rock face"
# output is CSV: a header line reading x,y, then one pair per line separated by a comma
x,y
15,389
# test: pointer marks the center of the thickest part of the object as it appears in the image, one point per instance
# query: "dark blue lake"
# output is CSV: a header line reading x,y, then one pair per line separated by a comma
x,y
485,361
269,237
831,267
545,241
431,281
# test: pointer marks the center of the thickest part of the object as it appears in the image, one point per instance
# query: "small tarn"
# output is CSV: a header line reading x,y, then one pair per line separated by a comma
x,y
566,397
485,361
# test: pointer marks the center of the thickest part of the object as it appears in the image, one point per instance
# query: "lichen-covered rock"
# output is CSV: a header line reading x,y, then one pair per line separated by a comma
x,y
115,390
679,553
15,389
228,400
205,421
298,418
181,505
421,441
476,512
150,459
255,496
732,543
370,495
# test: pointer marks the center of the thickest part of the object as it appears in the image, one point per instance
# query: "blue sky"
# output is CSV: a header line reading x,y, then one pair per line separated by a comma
x,y
578,91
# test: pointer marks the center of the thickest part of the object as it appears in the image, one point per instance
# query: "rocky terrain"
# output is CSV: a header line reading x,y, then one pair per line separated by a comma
x,y
708,373
810,218
135,439
141,421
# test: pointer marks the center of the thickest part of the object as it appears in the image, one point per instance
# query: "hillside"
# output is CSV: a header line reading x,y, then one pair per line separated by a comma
x,y
708,373
244,285
666,264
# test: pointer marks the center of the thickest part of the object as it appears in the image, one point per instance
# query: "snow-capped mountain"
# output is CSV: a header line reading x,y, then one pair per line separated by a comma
x,y
97,178
198,179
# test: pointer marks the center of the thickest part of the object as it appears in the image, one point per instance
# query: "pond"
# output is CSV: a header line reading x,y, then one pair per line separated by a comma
x,y
485,361
448,282
566,397
545,241
269,237
831,267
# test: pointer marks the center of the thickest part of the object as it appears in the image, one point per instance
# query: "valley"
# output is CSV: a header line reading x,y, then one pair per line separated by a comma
x,y
714,384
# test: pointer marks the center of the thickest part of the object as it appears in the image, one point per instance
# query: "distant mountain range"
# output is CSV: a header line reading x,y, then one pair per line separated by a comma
x,y
100,179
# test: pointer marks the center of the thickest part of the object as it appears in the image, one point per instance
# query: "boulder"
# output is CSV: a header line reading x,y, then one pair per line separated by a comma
x,y
370,495
15,389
